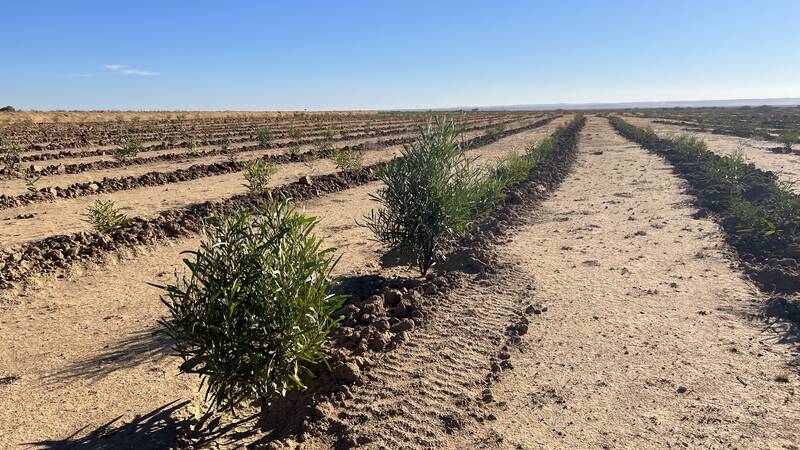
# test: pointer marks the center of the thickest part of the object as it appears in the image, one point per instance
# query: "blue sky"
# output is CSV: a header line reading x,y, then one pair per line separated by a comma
x,y
402,54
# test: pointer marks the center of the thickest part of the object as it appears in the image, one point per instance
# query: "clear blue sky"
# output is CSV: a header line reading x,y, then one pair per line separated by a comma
x,y
392,54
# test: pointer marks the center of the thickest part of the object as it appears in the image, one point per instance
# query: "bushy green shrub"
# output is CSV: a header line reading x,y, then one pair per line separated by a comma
x,y
11,159
264,136
105,217
348,160
129,149
788,138
257,173
430,196
254,311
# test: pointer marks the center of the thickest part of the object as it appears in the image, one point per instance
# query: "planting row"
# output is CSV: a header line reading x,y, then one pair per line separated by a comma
x,y
58,252
45,138
65,135
127,155
197,171
764,154
190,140
770,123
760,215
241,300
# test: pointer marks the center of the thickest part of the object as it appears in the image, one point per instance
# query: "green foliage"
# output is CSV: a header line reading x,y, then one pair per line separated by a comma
x,y
348,160
257,173
129,149
496,129
751,201
264,136
190,142
105,217
225,148
789,138
430,196
30,181
11,158
255,310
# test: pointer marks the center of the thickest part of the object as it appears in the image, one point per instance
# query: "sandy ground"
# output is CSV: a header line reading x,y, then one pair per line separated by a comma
x,y
81,350
645,342
66,216
756,151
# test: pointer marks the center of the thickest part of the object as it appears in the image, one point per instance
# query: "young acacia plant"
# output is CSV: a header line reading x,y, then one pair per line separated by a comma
x,y
128,150
30,181
788,139
429,198
191,142
257,173
254,311
11,159
295,134
348,160
225,148
105,217
264,136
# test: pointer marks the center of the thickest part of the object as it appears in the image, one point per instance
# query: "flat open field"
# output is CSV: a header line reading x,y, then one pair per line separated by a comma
x,y
633,290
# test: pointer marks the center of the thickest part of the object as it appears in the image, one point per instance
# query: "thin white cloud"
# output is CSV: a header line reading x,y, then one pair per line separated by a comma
x,y
138,72
125,70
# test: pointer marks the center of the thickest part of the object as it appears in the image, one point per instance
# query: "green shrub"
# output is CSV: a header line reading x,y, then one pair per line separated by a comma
x,y
348,160
430,196
129,149
11,158
257,173
225,148
30,181
264,136
788,138
105,217
190,142
255,310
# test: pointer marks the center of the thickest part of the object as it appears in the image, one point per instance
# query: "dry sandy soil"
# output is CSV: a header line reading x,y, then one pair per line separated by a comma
x,y
641,333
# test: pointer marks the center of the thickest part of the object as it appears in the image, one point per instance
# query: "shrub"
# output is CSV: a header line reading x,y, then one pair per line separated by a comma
x,y
257,173
348,160
429,198
496,129
255,310
788,138
105,217
191,142
225,148
128,150
264,136
30,181
11,158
